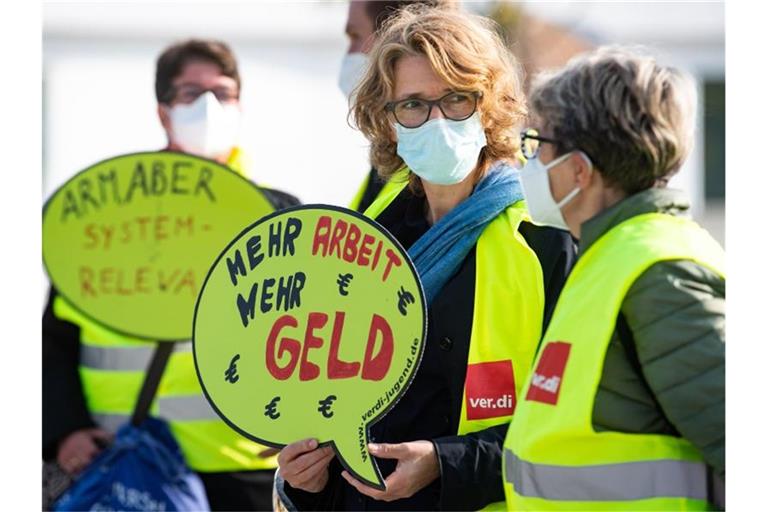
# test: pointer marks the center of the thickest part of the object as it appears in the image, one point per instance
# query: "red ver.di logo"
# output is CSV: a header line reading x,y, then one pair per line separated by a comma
x,y
546,379
490,390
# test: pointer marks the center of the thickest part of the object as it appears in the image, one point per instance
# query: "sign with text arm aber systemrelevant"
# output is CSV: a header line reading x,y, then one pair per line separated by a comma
x,y
311,323
129,240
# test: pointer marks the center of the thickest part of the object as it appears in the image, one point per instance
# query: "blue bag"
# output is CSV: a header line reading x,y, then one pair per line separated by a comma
x,y
143,470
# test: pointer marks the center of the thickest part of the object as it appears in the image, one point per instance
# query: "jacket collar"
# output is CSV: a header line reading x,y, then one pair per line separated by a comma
x,y
653,200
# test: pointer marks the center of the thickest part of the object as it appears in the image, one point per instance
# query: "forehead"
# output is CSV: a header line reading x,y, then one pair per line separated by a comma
x,y
202,73
414,76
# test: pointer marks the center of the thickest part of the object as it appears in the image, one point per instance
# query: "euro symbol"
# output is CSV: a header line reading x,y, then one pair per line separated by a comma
x,y
270,409
403,299
230,375
325,406
343,282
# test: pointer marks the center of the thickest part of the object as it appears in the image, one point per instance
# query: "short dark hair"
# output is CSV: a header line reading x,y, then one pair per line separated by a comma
x,y
172,61
632,116
381,12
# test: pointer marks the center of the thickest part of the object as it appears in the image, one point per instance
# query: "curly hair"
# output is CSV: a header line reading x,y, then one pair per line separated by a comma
x,y
466,52
631,115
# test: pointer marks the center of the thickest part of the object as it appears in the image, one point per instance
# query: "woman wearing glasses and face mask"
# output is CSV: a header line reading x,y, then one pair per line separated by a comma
x,y
626,401
442,105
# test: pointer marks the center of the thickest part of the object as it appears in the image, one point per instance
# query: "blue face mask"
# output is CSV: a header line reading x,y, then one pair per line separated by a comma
x,y
442,151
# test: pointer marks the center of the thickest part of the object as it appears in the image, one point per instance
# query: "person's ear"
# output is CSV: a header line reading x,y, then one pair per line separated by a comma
x,y
165,118
585,174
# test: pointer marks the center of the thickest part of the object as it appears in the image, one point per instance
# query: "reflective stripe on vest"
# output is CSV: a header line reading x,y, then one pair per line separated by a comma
x,y
185,408
507,319
122,358
554,460
111,422
607,482
177,408
112,369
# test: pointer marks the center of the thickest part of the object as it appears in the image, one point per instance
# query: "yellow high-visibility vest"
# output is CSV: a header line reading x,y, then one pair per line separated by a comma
x,y
112,368
553,458
358,197
396,182
507,320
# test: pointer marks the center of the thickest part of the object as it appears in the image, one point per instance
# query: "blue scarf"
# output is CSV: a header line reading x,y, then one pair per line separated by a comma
x,y
440,251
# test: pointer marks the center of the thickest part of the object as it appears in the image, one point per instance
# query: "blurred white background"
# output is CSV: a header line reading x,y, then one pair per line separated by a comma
x,y
99,99
98,75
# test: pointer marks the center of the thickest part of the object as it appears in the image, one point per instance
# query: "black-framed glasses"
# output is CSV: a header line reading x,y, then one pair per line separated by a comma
x,y
530,142
414,112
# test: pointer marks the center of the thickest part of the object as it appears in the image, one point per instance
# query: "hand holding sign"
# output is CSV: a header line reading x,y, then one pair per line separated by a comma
x,y
327,316
417,467
304,465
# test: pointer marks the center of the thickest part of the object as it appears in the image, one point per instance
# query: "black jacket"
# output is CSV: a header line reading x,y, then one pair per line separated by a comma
x,y
470,465
373,186
279,199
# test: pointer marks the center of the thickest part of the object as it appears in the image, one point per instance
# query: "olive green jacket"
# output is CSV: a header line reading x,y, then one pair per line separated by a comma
x,y
675,312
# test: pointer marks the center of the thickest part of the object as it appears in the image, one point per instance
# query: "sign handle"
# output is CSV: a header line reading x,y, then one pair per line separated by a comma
x,y
155,371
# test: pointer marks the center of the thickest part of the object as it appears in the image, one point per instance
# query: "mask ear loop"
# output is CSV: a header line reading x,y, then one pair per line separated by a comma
x,y
567,199
557,161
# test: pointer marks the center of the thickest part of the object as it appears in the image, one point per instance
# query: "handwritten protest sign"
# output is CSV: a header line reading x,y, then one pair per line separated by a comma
x,y
129,240
311,323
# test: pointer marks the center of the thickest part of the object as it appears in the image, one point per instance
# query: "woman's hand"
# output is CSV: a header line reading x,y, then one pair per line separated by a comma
x,y
305,466
79,448
417,467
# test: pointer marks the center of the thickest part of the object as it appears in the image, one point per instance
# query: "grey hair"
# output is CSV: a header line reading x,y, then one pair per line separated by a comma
x,y
633,117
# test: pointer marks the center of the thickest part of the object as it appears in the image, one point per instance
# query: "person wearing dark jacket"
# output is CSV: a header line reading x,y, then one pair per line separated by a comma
x,y
442,107
626,402
91,374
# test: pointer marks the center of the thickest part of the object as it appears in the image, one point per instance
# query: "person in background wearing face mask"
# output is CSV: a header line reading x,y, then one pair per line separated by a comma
x,y
626,403
197,86
364,19
443,106
92,375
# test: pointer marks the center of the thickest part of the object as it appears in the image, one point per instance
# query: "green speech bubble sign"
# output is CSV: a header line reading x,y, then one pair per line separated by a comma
x,y
311,323
129,240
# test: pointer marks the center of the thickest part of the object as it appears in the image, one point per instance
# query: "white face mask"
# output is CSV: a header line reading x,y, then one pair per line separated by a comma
x,y
534,178
442,151
353,67
205,127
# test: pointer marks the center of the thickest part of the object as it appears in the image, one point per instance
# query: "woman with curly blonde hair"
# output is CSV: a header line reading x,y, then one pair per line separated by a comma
x,y
474,63
441,104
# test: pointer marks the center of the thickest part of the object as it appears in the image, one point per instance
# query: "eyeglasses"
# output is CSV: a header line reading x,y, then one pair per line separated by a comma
x,y
189,93
530,142
414,112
